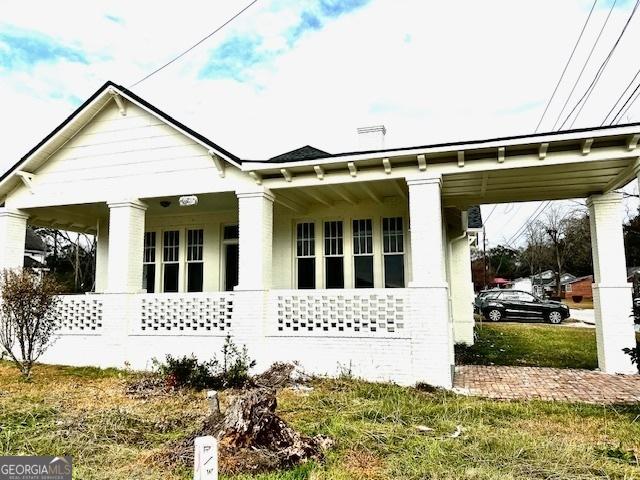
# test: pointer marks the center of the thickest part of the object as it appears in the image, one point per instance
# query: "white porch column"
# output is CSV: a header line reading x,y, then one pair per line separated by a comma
x,y
251,296
431,336
102,255
611,292
126,243
13,230
255,219
462,294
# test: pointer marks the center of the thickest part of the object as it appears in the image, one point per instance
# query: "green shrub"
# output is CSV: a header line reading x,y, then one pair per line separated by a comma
x,y
188,372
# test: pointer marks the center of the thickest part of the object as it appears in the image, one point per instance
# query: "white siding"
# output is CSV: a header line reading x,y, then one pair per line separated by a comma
x,y
117,156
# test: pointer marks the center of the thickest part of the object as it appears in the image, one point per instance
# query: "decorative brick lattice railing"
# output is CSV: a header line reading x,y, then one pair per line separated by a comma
x,y
361,312
185,313
80,314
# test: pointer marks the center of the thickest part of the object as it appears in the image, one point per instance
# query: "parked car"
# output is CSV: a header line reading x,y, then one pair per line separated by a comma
x,y
518,304
482,294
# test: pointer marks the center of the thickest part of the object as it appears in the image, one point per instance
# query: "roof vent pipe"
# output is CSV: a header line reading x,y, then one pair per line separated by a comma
x,y
371,138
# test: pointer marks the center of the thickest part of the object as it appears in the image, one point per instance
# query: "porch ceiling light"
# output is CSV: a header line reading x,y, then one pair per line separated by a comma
x,y
188,201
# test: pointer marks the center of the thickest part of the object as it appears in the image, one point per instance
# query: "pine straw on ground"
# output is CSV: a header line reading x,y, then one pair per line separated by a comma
x,y
88,414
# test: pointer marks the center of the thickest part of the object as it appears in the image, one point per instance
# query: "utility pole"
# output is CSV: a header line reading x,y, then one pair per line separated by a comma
x,y
484,255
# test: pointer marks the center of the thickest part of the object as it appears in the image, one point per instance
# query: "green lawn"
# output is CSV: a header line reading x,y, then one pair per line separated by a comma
x,y
526,344
87,414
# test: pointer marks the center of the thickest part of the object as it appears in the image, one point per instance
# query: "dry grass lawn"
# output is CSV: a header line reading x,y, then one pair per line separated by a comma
x,y
86,413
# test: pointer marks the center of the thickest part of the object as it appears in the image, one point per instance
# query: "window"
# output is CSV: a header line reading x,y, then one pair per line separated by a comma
x,y
306,255
393,252
333,253
569,288
363,253
149,262
171,259
230,256
195,265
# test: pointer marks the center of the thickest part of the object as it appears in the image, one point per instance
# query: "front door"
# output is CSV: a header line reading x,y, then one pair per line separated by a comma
x,y
230,266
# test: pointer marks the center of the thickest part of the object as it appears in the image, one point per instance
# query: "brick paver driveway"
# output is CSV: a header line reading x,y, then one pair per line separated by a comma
x,y
526,383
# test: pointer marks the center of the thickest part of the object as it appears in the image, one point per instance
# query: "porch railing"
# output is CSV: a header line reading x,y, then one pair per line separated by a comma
x,y
351,312
80,314
185,313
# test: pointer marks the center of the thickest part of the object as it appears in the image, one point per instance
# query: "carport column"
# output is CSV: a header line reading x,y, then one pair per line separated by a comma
x,y
251,297
124,275
13,230
611,292
431,336
461,291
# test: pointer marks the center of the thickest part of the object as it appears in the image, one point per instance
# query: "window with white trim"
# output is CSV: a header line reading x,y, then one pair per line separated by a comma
x,y
149,262
393,252
333,254
363,253
171,260
306,254
195,260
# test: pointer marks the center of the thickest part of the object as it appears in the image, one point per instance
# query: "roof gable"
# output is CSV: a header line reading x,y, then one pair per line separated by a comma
x,y
85,112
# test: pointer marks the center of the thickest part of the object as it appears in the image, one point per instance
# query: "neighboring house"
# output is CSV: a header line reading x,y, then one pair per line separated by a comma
x,y
543,283
524,284
579,289
499,282
356,260
35,252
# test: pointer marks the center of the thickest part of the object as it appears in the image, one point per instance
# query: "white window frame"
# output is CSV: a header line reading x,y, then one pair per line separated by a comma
x,y
371,254
154,262
333,255
223,254
171,262
404,248
188,261
313,255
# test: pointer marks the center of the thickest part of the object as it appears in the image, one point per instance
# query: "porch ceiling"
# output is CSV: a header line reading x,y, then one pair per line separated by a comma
x,y
546,182
74,218
302,199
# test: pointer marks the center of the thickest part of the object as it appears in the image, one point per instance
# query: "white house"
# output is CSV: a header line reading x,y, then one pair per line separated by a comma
x,y
355,260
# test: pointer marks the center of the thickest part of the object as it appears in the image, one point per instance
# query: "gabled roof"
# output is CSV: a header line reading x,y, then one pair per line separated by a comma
x,y
76,121
303,153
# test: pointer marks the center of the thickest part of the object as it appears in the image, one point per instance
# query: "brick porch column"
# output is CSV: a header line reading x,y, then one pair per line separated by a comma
x,y
251,296
255,219
126,243
431,342
611,292
13,230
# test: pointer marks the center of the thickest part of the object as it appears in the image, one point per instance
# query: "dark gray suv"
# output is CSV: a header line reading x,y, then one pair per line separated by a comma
x,y
498,305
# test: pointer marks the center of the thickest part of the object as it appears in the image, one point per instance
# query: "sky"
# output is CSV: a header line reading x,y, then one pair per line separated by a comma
x,y
289,73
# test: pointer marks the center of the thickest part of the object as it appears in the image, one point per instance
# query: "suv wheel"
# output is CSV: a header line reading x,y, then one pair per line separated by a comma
x,y
555,317
494,315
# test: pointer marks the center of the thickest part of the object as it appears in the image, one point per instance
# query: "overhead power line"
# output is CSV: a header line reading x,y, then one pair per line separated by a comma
x,y
182,54
620,97
564,70
603,66
623,113
584,65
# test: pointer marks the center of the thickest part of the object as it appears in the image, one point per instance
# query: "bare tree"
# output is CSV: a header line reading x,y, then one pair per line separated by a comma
x,y
558,223
72,251
27,323
536,253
